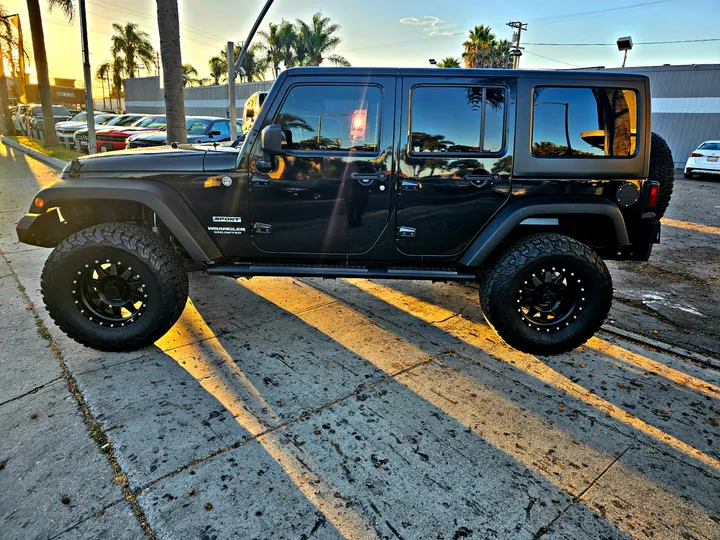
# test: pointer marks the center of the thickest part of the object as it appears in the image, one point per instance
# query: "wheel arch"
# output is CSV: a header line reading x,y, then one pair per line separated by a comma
x,y
507,224
40,227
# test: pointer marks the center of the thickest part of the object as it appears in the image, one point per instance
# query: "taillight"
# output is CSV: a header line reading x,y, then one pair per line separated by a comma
x,y
654,194
695,154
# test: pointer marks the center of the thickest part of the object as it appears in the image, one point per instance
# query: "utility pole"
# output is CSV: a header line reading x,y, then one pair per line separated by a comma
x,y
231,90
7,127
518,27
92,146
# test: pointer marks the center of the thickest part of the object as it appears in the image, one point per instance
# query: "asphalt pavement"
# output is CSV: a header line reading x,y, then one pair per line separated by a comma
x,y
285,408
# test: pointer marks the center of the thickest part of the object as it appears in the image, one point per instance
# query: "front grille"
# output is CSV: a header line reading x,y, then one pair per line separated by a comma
x,y
113,138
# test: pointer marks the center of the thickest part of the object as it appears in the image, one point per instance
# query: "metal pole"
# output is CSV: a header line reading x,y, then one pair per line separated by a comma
x,y
624,58
567,128
231,89
92,145
246,45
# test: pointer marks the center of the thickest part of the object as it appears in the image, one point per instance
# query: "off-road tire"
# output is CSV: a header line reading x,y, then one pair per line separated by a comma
x,y
151,259
504,284
662,169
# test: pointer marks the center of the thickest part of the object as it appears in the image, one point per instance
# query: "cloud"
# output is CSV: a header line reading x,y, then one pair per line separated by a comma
x,y
432,26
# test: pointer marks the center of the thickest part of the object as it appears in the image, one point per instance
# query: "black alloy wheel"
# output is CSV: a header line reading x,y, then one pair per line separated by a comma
x,y
551,298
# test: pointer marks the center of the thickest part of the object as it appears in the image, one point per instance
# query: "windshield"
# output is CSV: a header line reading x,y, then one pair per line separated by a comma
x,y
196,126
125,120
152,121
80,117
103,119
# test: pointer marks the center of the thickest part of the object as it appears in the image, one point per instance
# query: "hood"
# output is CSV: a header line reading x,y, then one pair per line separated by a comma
x,y
127,131
137,163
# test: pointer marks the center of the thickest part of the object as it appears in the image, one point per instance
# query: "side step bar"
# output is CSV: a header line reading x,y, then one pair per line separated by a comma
x,y
279,270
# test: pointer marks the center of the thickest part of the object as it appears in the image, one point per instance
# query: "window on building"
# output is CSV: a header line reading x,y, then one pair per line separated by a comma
x,y
584,122
457,119
332,117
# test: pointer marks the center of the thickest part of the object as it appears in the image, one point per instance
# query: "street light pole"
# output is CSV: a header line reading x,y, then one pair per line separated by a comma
x,y
89,109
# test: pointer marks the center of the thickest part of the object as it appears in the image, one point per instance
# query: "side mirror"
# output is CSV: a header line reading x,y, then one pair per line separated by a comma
x,y
271,145
215,132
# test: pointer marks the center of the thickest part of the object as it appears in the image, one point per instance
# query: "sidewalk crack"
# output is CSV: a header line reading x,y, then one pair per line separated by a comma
x,y
33,391
545,529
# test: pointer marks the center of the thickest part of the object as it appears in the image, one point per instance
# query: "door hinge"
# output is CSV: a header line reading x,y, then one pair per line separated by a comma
x,y
262,228
406,232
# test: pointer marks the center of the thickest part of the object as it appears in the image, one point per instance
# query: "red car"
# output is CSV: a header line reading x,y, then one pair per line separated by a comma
x,y
114,138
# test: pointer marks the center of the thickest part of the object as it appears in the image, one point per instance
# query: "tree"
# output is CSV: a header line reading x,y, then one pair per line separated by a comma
x,y
317,40
169,29
218,68
133,45
103,74
43,75
287,35
255,63
449,62
273,47
118,71
6,33
189,74
478,47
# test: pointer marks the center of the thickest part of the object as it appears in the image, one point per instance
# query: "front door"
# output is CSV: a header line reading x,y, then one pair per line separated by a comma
x,y
456,163
331,192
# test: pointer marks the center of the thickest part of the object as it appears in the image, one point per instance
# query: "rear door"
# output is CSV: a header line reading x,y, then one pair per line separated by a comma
x,y
456,162
330,193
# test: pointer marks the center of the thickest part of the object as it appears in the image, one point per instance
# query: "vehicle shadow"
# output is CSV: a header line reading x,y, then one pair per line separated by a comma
x,y
303,355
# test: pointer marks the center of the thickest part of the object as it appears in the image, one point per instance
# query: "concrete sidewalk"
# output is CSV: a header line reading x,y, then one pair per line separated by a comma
x,y
280,408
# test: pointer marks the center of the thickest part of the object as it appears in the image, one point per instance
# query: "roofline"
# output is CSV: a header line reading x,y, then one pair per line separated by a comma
x,y
449,72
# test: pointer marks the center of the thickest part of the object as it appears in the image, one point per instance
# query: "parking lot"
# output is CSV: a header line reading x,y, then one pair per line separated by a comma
x,y
286,408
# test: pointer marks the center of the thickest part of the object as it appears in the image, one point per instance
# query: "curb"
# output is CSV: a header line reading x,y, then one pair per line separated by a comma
x,y
47,160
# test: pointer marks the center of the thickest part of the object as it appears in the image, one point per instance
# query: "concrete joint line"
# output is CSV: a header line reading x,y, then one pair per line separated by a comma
x,y
291,421
545,529
95,431
33,391
86,518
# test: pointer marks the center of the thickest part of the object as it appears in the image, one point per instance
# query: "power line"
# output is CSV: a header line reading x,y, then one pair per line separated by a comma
x,y
582,14
614,44
553,59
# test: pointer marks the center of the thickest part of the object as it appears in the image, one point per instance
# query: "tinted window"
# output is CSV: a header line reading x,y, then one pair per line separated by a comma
x,y
60,111
152,121
450,119
80,117
332,117
590,122
709,146
223,127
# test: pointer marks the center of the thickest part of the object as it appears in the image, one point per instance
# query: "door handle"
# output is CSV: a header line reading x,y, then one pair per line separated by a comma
x,y
410,185
260,181
262,228
482,180
367,179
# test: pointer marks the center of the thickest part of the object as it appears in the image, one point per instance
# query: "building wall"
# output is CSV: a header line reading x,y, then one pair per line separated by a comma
x,y
145,95
685,105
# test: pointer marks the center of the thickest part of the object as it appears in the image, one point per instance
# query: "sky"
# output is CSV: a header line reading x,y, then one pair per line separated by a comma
x,y
409,32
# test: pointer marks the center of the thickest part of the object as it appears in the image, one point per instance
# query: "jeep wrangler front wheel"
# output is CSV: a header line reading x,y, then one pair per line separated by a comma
x,y
114,287
546,294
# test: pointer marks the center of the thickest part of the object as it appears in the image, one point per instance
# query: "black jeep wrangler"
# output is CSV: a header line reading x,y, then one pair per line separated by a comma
x,y
522,180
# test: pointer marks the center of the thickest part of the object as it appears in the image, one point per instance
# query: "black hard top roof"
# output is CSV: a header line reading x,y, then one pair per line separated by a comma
x,y
460,72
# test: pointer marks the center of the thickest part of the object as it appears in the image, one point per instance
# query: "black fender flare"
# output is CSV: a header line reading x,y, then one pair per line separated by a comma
x,y
516,212
162,199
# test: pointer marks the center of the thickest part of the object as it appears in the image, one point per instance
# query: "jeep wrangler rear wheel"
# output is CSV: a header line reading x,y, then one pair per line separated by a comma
x,y
114,287
546,294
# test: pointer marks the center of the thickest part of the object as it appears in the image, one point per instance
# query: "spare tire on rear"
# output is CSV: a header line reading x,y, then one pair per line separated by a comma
x,y
662,169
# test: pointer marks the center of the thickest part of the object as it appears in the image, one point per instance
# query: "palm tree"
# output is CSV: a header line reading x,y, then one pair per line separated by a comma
x,y
478,47
317,40
189,74
134,46
6,33
288,39
500,56
103,73
255,63
218,68
43,76
173,68
273,47
449,62
118,72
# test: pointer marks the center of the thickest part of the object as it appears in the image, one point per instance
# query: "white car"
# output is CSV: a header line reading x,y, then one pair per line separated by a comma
x,y
66,130
704,160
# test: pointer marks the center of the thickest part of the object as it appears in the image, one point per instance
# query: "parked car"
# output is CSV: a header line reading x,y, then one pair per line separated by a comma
x,y
16,116
21,119
435,174
200,129
80,137
251,110
37,124
115,138
704,160
66,130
